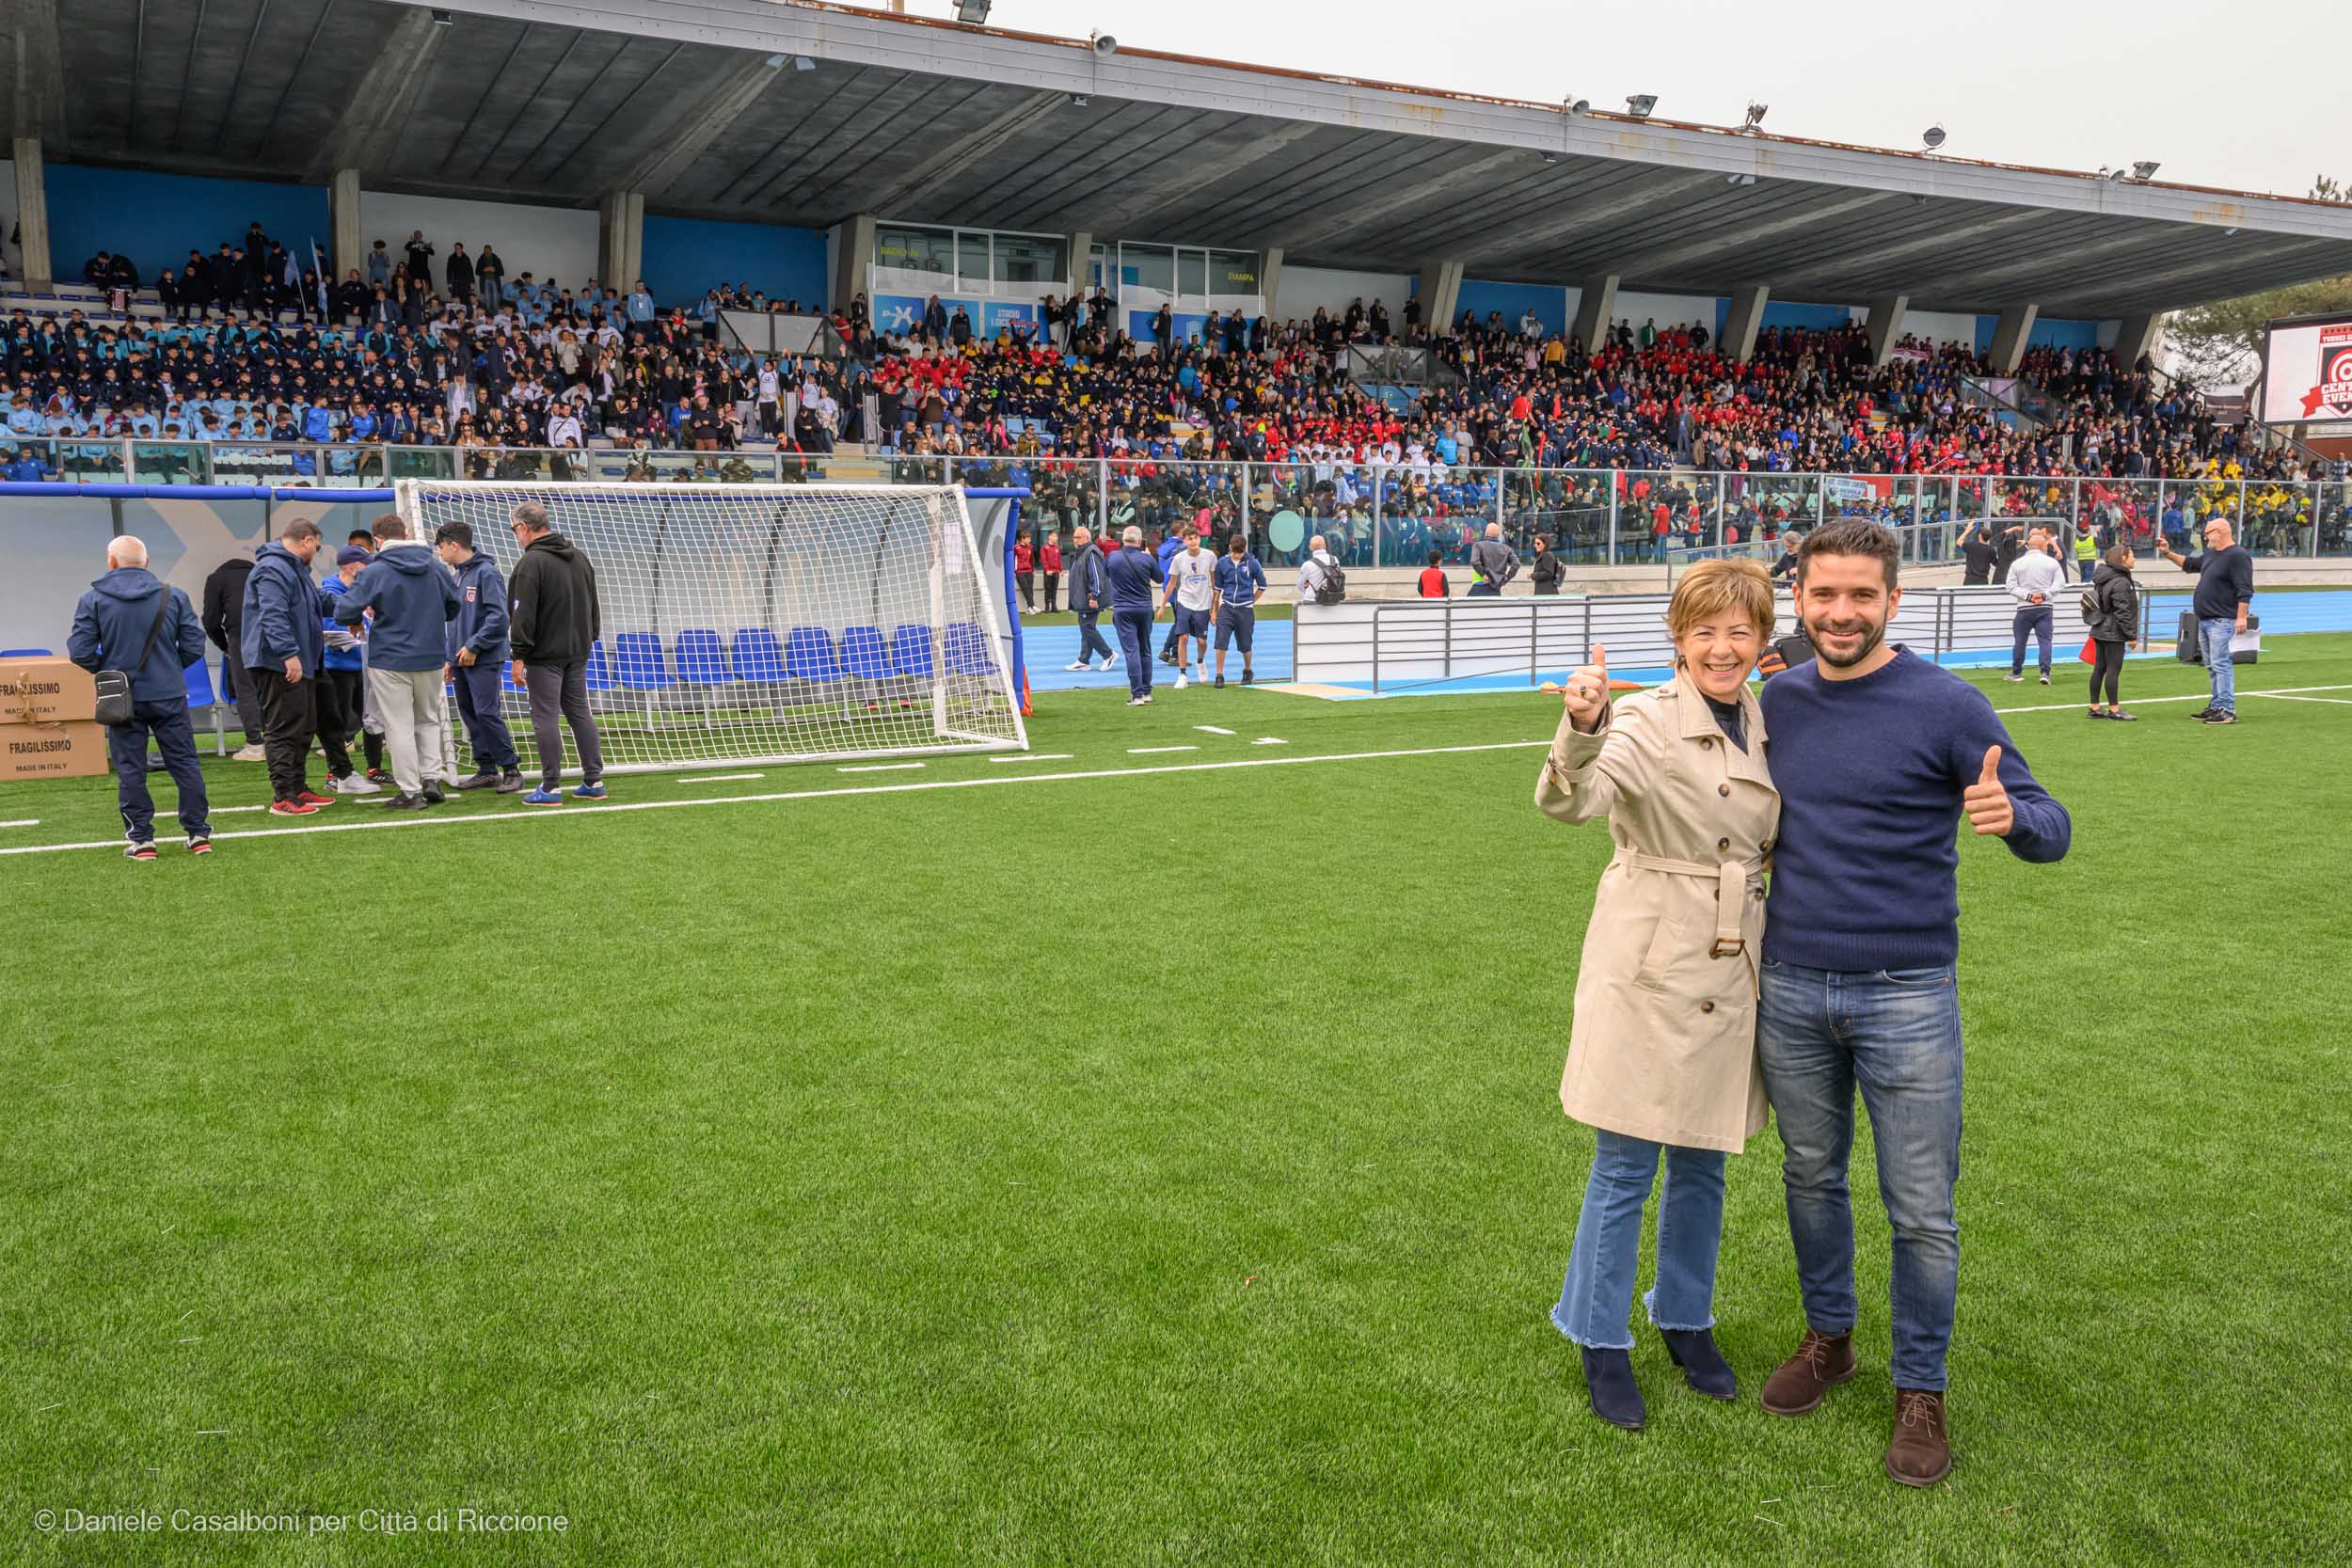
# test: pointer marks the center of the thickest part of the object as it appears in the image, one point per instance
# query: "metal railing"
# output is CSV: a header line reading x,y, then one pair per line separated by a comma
x,y
1370,514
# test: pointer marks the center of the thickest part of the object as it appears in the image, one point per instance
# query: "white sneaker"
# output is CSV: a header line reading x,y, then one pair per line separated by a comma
x,y
355,783
1138,702
1082,664
249,754
1180,680
1104,665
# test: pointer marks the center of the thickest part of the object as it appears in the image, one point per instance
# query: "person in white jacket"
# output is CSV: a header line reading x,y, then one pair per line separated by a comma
x,y
2033,579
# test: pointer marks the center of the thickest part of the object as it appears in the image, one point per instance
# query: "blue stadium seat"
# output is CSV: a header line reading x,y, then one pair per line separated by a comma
x,y
757,656
638,664
968,650
864,655
26,653
199,677
599,672
911,651
808,655
701,661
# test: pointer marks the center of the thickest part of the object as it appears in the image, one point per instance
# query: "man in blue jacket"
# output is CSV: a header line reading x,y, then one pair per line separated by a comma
x,y
478,653
1132,574
414,598
130,621
281,640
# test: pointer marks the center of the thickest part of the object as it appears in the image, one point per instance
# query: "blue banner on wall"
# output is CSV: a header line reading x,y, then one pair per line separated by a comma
x,y
1188,325
998,312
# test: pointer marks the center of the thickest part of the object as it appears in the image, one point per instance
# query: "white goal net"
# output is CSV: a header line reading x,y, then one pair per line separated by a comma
x,y
763,623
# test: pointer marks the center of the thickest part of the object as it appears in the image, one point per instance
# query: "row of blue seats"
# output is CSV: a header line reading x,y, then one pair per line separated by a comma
x,y
638,662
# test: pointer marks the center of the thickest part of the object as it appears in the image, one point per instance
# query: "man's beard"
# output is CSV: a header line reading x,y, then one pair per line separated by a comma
x,y
1872,635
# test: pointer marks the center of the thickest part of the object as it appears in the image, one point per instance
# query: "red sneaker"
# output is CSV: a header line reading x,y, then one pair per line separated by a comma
x,y
292,808
310,797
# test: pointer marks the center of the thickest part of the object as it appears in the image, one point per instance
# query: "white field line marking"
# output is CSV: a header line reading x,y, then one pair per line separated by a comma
x,y
1210,729
1277,740
879,767
2200,697
23,822
1154,750
721,778
1036,757
983,781
2282,696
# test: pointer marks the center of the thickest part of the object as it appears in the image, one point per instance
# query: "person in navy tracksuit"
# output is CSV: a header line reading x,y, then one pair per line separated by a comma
x,y
1132,574
477,655
131,620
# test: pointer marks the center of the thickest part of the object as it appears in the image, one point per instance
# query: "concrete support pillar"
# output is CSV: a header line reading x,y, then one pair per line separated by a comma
x,y
853,262
1080,247
1270,277
1595,308
2137,337
621,240
1748,315
2008,337
343,207
1886,326
1440,281
32,213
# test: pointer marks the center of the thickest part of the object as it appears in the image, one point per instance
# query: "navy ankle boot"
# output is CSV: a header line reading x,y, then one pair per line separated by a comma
x,y
1616,1399
1703,1365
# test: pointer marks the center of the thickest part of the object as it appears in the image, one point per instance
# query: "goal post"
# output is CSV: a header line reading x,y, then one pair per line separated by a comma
x,y
750,624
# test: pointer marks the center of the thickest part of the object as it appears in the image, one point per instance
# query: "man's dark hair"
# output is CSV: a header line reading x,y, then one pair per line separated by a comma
x,y
1234,541
1436,556
1850,536
301,528
361,536
391,525
460,534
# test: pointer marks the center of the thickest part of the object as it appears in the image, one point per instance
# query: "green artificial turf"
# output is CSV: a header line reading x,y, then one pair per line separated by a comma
x,y
1151,1169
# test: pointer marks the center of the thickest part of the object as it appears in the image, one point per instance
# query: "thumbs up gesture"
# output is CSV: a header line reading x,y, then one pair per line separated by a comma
x,y
1587,695
1985,802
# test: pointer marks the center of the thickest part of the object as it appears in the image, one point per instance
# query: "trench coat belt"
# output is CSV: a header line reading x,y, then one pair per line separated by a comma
x,y
1731,887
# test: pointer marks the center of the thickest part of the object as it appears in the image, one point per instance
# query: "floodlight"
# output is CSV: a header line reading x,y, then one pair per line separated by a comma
x,y
1755,116
1933,138
974,11
2145,170
1641,103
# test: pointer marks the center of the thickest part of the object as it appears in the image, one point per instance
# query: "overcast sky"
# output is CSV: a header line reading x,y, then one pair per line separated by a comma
x,y
2244,94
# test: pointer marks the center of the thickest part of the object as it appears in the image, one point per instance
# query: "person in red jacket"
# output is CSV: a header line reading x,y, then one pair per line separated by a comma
x,y
1049,561
1433,583
1024,573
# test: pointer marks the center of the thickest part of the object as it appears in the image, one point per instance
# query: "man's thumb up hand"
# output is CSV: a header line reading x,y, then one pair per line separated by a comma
x,y
1985,802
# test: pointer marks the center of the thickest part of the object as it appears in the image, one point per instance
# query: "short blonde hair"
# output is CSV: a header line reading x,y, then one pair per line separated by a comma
x,y
1712,587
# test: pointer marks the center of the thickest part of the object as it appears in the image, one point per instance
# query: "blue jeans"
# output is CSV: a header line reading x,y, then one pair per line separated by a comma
x,y
1090,642
2035,621
175,737
2213,636
492,742
1597,1298
1896,1033
1135,646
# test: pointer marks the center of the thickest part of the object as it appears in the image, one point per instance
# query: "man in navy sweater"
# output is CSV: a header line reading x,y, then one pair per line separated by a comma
x,y
1132,574
1875,751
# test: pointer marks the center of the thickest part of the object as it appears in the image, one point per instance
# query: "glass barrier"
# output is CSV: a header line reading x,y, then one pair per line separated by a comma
x,y
1569,511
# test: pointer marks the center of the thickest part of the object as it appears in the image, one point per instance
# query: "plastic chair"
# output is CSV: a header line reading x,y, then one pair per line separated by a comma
x,y
701,660
864,655
967,651
758,657
910,651
598,672
638,663
808,656
26,653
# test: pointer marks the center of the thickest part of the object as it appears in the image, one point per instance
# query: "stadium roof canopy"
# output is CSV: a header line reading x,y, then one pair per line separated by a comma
x,y
788,112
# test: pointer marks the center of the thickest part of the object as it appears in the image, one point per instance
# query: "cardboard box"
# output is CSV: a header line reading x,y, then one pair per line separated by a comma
x,y
45,691
68,751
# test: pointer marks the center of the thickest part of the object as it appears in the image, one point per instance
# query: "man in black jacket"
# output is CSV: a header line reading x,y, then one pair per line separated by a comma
x,y
553,623
224,622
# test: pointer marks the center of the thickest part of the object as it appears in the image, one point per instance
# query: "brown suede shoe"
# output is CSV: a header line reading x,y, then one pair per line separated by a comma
x,y
1822,1363
1920,1454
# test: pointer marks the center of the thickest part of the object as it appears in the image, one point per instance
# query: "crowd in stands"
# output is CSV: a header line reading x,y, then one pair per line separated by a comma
x,y
425,347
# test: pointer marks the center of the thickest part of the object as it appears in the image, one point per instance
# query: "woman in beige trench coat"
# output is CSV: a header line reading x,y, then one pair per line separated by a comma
x,y
1662,1053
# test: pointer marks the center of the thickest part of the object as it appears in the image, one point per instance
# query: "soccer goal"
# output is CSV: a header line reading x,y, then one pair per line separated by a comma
x,y
764,623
